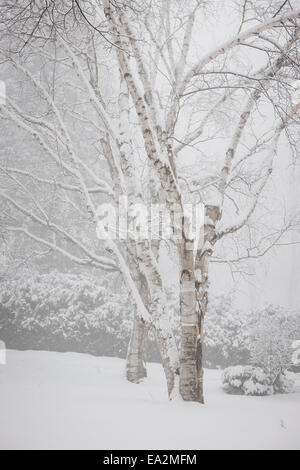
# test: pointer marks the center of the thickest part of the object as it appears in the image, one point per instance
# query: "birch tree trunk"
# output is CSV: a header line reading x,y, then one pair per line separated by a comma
x,y
188,357
193,305
135,364
135,360
204,253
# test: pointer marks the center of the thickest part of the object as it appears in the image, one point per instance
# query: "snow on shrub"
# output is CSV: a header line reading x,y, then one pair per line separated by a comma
x,y
296,353
225,334
271,333
249,380
284,383
64,311
246,380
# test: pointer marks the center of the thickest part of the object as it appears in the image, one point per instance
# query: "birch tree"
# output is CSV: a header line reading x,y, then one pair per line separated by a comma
x,y
118,101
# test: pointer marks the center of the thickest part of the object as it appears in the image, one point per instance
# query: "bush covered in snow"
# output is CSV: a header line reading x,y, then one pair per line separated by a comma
x,y
284,383
271,334
296,353
249,380
64,312
246,380
226,337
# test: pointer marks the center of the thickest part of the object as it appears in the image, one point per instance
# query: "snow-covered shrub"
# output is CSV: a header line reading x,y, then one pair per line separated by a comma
x,y
64,312
296,353
249,380
246,380
271,335
263,338
284,383
295,367
226,335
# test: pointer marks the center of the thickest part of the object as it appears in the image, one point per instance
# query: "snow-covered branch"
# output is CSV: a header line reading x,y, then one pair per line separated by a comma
x,y
220,50
55,229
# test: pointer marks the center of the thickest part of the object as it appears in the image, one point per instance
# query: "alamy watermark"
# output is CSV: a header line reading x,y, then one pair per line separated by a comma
x,y
2,353
141,222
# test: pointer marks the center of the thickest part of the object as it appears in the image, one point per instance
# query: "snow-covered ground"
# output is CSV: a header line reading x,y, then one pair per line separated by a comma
x,y
55,400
